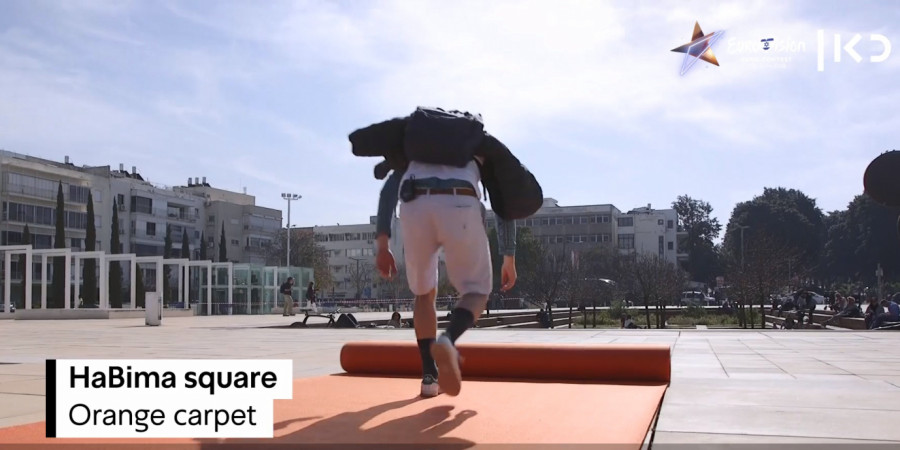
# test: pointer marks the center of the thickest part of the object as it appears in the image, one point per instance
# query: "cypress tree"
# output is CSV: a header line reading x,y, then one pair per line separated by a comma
x,y
59,262
26,240
89,289
166,269
185,245
203,256
115,268
223,255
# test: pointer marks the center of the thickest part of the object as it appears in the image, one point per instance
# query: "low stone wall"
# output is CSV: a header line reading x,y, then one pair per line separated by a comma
x,y
92,313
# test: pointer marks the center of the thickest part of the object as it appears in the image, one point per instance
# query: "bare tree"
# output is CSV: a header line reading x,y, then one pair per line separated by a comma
x,y
544,278
360,275
305,252
763,270
397,286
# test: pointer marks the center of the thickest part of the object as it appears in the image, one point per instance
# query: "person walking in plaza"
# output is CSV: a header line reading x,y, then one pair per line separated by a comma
x,y
311,297
287,294
436,160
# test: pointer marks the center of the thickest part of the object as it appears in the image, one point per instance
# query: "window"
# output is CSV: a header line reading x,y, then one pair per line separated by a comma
x,y
235,242
606,238
78,194
211,219
626,241
670,224
659,222
120,199
77,243
151,229
661,244
671,245
141,205
625,221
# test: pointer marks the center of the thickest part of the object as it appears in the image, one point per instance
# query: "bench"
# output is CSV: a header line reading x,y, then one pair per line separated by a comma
x,y
329,316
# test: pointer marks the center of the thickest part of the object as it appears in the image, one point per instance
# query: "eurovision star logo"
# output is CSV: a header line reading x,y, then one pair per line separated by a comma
x,y
700,47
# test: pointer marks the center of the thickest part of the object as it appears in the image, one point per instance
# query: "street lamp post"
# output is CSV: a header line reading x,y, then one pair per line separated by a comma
x,y
289,197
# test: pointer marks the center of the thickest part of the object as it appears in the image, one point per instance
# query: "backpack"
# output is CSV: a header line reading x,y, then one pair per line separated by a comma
x,y
513,190
383,139
433,135
436,136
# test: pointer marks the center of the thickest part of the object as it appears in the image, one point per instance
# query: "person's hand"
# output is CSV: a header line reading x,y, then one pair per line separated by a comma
x,y
508,273
384,261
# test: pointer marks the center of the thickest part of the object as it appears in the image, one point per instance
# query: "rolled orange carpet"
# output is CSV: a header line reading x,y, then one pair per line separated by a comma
x,y
638,363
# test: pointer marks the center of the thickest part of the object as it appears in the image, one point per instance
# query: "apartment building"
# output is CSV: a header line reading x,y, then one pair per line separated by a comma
x,y
249,229
29,191
351,256
570,228
29,185
647,230
145,210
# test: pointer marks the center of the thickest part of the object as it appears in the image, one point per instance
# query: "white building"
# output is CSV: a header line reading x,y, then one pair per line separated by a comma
x,y
648,230
351,256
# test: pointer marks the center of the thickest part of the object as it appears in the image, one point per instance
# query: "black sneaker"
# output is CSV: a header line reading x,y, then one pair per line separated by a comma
x,y
430,387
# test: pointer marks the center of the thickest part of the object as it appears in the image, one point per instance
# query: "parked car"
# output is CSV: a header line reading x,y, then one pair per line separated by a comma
x,y
696,298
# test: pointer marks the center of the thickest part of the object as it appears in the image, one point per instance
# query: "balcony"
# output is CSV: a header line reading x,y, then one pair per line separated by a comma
x,y
182,216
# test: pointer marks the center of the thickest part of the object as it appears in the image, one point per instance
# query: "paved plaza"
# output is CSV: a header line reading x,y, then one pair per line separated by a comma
x,y
728,386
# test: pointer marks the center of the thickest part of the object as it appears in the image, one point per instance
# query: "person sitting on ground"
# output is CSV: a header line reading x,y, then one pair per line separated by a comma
x,y
852,310
891,314
629,323
395,320
873,310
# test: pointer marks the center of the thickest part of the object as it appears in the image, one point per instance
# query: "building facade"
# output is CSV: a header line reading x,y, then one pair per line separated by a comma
x,y
249,229
351,257
646,230
29,186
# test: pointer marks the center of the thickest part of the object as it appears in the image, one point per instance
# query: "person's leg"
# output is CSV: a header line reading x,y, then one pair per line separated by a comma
x,y
467,254
421,259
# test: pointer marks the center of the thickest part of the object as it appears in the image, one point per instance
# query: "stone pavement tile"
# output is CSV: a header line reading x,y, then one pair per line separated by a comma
x,y
23,369
33,386
706,439
22,419
778,421
822,393
20,404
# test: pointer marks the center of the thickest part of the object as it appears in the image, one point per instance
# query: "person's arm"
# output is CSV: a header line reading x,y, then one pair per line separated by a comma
x,y
506,236
387,202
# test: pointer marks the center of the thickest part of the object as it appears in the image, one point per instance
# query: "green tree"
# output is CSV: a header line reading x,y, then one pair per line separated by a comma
x,y
695,218
203,256
59,263
861,237
306,252
167,270
23,263
185,245
223,254
115,268
787,218
89,273
140,289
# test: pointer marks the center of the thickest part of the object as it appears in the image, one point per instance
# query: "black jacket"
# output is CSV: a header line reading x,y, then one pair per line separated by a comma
x,y
287,288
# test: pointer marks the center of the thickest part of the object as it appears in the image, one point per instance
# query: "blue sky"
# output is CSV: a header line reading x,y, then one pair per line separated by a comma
x,y
587,93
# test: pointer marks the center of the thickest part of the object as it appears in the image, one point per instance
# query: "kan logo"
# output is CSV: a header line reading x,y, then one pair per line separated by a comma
x,y
849,47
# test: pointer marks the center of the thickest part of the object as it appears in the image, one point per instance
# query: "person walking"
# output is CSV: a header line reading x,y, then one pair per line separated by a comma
x,y
311,297
287,294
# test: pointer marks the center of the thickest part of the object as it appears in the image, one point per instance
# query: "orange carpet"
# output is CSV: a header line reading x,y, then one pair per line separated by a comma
x,y
550,406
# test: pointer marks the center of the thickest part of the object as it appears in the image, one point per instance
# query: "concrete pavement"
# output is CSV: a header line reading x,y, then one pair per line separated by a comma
x,y
728,386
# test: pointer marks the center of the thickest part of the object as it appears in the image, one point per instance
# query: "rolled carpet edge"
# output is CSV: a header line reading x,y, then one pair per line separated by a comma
x,y
563,362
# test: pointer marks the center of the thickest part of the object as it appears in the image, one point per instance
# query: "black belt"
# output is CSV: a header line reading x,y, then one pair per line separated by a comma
x,y
447,191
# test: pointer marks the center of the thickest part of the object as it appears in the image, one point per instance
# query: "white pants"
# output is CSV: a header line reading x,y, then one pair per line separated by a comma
x,y
456,224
